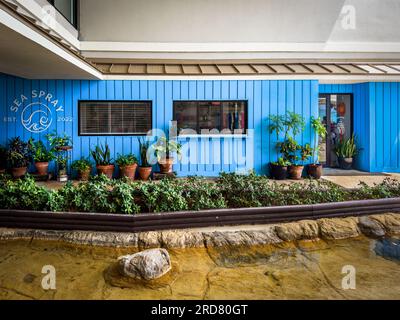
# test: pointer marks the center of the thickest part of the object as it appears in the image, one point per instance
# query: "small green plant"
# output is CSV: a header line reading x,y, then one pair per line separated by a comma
x,y
164,147
39,151
144,146
81,165
102,155
59,141
320,131
281,162
126,160
18,154
346,148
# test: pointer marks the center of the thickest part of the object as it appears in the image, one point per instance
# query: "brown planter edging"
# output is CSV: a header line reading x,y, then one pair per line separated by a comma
x,y
191,219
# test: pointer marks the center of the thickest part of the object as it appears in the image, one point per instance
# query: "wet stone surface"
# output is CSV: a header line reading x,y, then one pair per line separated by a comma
x,y
304,269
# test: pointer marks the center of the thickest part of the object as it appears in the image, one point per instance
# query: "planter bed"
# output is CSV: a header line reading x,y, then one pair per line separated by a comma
x,y
191,219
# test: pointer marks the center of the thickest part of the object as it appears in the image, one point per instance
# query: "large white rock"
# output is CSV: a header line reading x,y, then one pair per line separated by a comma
x,y
146,265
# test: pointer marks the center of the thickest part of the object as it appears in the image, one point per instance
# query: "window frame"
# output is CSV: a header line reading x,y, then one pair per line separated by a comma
x,y
113,134
246,109
75,13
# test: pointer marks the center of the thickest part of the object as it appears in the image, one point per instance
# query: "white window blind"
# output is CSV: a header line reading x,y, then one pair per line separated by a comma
x,y
114,118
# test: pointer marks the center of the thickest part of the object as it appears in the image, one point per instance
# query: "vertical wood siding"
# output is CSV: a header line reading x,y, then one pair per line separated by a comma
x,y
376,123
211,154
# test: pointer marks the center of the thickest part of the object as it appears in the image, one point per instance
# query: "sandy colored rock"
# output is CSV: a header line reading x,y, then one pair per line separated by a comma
x,y
241,238
390,221
181,239
371,227
339,228
13,234
149,239
305,229
146,265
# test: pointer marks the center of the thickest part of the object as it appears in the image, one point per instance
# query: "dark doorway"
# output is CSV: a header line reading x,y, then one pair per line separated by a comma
x,y
336,111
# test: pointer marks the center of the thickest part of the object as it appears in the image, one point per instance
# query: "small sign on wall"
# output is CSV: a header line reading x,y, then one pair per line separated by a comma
x,y
37,116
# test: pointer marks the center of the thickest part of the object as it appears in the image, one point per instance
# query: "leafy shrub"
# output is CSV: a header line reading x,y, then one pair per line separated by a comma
x,y
202,194
162,196
245,190
23,194
230,190
389,188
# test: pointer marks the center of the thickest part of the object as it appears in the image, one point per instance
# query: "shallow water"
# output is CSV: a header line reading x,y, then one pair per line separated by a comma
x,y
302,270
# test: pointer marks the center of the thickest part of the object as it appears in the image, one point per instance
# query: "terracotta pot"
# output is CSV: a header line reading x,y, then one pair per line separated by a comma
x,y
295,172
314,170
129,171
144,173
42,168
166,165
19,172
278,172
108,170
84,175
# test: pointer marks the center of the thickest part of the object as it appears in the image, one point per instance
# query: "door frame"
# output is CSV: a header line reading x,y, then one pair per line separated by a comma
x,y
327,96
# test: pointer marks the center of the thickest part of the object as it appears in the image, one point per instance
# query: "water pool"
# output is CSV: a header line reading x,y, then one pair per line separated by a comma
x,y
302,270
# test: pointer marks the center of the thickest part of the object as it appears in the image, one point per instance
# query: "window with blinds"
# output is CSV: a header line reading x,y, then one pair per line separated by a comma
x,y
114,117
228,117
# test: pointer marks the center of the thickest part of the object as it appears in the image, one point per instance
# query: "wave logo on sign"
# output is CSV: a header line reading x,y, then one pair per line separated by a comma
x,y
37,117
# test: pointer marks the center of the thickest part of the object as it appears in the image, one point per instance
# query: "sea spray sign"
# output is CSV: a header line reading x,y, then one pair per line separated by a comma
x,y
37,116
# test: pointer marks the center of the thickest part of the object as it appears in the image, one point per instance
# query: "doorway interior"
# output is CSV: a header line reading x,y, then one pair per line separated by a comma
x,y
336,112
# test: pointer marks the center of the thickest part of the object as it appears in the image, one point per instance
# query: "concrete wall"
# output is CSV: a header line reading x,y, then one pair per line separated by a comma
x,y
237,20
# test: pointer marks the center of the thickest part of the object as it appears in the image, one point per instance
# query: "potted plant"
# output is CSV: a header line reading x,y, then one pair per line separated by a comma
x,y
314,170
18,157
163,149
289,124
295,153
145,167
279,169
60,145
102,156
83,168
3,159
59,142
127,164
346,150
41,156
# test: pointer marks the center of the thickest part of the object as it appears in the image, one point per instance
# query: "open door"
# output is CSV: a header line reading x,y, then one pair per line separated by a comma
x,y
335,111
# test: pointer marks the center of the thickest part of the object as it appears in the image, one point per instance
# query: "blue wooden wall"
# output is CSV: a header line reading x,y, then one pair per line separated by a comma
x,y
376,123
264,98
